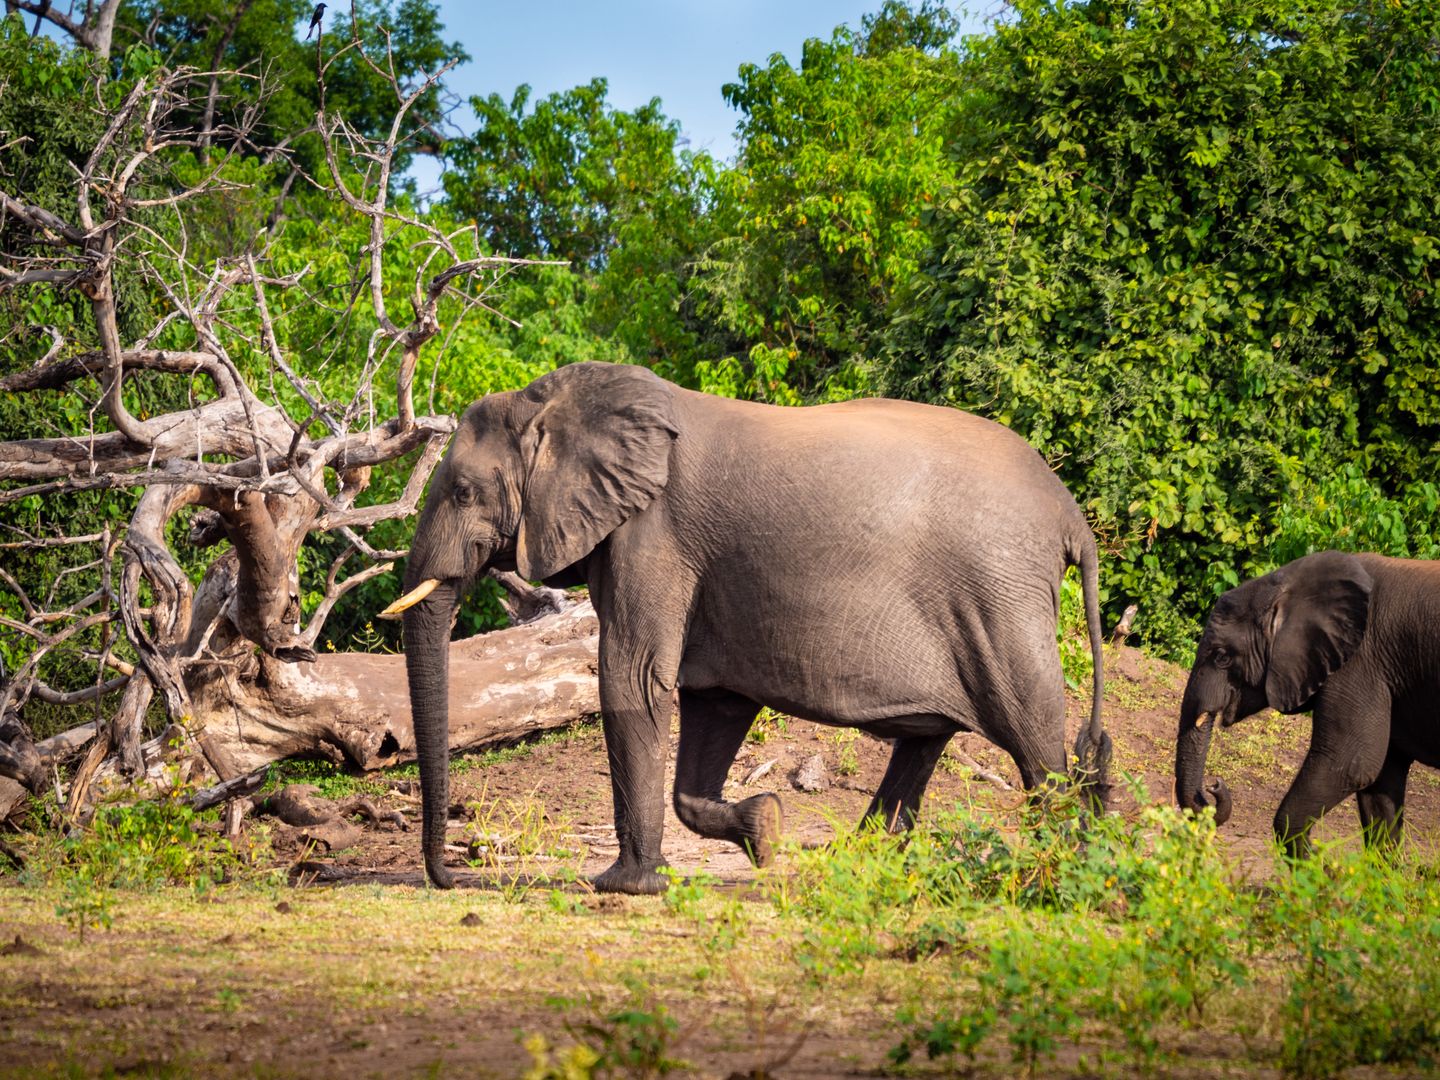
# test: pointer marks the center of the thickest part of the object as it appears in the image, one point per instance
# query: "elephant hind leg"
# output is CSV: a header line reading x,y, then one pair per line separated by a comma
x,y
712,727
1382,804
913,759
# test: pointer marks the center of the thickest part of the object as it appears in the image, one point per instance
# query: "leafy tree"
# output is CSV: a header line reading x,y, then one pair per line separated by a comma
x,y
613,192
820,219
1190,255
260,35
556,180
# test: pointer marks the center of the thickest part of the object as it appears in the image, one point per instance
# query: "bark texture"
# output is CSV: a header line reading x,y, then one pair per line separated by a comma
x,y
355,707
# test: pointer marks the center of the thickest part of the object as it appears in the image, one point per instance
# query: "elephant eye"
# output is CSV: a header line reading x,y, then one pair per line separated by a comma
x,y
464,494
1222,658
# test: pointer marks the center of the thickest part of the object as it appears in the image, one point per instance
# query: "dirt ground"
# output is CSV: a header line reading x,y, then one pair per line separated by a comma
x,y
362,971
1258,758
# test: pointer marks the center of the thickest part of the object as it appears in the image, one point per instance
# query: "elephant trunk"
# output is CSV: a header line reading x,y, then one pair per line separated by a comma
x,y
1191,750
427,663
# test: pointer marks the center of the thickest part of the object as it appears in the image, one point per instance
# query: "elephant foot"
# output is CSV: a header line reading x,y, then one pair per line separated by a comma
x,y
761,820
636,879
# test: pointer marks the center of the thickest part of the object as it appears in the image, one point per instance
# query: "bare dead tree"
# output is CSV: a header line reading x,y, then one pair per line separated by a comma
x,y
260,470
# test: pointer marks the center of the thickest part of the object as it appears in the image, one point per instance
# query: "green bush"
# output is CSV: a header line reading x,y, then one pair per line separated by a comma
x,y
1190,256
140,846
1064,925
1362,985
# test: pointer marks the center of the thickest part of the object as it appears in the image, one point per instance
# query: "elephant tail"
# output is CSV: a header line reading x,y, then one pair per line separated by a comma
x,y
1093,748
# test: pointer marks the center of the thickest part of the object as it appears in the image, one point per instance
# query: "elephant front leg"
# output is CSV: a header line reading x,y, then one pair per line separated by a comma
x,y
897,801
1349,748
1319,787
635,713
712,727
1382,804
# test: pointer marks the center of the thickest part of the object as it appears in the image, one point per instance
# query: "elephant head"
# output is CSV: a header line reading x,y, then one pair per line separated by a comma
x,y
1271,642
534,480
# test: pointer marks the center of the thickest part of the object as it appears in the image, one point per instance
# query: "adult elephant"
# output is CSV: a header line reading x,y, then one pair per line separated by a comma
x,y
1356,639
877,564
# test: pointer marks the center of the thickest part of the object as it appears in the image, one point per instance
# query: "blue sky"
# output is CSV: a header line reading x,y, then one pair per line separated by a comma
x,y
681,51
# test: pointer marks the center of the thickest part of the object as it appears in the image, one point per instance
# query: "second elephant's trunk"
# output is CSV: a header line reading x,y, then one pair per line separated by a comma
x,y
427,664
1191,749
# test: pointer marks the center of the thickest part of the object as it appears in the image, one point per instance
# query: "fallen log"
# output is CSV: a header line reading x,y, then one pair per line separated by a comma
x,y
354,708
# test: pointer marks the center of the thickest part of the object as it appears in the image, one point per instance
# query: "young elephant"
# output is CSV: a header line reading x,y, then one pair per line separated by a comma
x,y
1356,638
877,564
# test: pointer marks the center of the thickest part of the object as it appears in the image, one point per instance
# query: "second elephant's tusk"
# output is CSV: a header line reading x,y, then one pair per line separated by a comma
x,y
410,599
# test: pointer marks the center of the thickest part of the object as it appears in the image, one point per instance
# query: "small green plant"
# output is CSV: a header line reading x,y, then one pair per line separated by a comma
x,y
944,1037
146,844
520,836
331,781
632,1040
686,894
575,1062
719,922
1112,923
846,743
768,723
85,902
1363,985
1038,980
858,898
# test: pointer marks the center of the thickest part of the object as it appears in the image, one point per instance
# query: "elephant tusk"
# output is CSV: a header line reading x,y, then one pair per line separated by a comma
x,y
1200,721
410,599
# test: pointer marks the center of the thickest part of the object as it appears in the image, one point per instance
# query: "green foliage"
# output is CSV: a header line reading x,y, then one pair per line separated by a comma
x,y
1189,255
719,924
531,847
331,781
767,722
1072,635
1062,924
863,894
145,845
819,221
1362,987
84,902
151,843
633,1040
610,191
1349,511
49,125
261,36
559,179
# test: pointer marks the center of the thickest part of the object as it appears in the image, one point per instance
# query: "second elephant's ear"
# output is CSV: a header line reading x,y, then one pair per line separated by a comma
x,y
596,453
1317,623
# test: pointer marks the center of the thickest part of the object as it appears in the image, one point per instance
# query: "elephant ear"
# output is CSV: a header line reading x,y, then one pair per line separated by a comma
x,y
1316,624
596,453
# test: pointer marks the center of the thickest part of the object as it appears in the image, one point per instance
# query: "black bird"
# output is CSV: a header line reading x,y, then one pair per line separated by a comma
x,y
315,19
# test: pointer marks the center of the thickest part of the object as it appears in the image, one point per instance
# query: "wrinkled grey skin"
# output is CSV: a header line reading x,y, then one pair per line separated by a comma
x,y
875,564
1356,639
